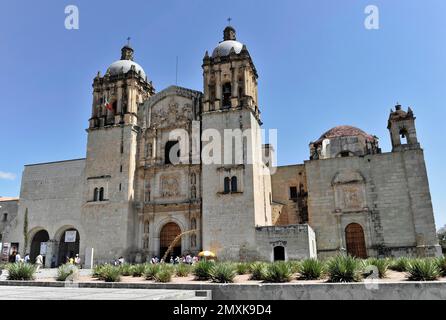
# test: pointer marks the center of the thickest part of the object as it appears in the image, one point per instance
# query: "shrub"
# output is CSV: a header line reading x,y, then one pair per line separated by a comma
x,y
441,264
400,264
294,265
125,269
202,270
223,272
150,271
66,270
242,268
164,275
137,270
278,272
381,264
110,273
343,268
21,271
258,270
182,270
423,270
97,271
311,269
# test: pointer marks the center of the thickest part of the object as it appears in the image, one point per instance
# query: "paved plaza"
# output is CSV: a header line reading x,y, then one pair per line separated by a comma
x,y
67,293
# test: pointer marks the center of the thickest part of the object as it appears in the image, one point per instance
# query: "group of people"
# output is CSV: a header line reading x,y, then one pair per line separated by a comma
x,y
15,257
188,259
76,260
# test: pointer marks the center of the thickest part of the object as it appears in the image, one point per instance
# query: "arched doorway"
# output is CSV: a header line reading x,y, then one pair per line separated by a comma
x,y
354,237
38,238
168,233
279,253
68,245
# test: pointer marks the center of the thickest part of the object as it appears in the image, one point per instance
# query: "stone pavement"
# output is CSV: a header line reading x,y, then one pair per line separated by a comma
x,y
70,293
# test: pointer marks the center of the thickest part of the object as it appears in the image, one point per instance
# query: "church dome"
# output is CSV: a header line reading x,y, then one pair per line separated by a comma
x,y
124,66
344,131
224,48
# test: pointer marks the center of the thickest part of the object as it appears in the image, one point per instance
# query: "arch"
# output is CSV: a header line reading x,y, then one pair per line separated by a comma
x,y
355,240
227,92
101,194
279,253
193,192
227,185
167,157
67,249
403,135
96,194
345,154
38,238
234,184
193,224
193,178
167,234
348,176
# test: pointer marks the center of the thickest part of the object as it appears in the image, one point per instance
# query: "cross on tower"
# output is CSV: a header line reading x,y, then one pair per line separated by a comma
x,y
229,21
128,41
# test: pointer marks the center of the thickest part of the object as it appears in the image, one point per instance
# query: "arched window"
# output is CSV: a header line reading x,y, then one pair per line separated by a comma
x,y
101,194
146,227
96,194
193,192
5,217
168,158
227,186
226,95
403,136
234,184
212,92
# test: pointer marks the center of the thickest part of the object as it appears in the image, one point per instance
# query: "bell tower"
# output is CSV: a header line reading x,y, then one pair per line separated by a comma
x,y
236,188
110,165
401,125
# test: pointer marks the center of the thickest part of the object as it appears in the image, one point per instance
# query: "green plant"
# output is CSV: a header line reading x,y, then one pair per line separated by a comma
x,y
110,273
423,270
258,270
279,271
150,271
182,270
164,275
294,265
125,269
66,270
25,230
202,270
97,271
242,268
137,270
441,264
311,269
343,268
224,272
21,271
400,264
381,265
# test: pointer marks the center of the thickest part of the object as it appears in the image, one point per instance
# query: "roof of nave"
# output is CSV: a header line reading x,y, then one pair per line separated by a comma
x,y
5,199
172,91
52,162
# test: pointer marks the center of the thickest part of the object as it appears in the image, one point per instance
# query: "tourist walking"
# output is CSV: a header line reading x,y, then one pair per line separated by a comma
x,y
77,261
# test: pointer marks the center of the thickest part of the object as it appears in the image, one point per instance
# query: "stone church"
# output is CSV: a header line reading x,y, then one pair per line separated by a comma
x,y
141,186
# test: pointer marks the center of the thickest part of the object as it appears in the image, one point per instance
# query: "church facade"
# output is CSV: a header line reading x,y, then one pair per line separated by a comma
x,y
156,176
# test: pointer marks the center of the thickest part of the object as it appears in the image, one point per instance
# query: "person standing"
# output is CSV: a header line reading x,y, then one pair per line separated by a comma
x,y
26,258
77,261
18,258
39,262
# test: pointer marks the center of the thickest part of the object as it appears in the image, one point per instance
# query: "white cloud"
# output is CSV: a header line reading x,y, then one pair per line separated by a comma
x,y
7,176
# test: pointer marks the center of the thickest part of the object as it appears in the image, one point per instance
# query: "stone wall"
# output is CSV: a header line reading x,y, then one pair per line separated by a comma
x,y
298,240
8,213
387,194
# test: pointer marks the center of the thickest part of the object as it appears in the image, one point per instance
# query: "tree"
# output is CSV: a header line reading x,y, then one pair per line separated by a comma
x,y
25,231
441,233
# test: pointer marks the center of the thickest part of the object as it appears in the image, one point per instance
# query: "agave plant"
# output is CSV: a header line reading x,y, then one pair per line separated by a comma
x,y
126,269
441,264
258,270
278,272
65,271
110,273
224,272
311,269
243,268
400,264
203,269
423,270
137,270
182,270
343,268
21,271
164,275
381,265
151,270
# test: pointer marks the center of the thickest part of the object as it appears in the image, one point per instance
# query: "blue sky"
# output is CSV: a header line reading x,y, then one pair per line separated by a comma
x,y
318,67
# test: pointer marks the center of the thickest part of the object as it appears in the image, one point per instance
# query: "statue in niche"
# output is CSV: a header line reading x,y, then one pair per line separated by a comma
x,y
169,186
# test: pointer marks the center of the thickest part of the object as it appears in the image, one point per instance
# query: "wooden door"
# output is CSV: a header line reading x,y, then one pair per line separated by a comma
x,y
354,236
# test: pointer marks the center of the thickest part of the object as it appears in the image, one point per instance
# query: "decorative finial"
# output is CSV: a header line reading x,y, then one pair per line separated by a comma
x,y
128,41
229,21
